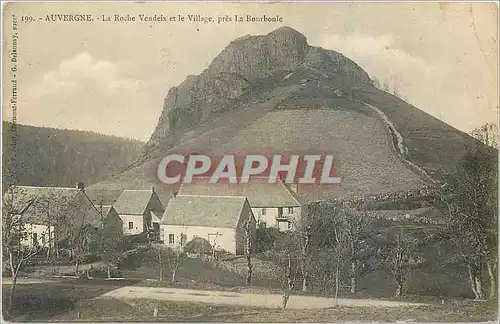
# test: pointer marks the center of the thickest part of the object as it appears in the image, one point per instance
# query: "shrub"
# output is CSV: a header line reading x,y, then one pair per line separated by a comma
x,y
266,237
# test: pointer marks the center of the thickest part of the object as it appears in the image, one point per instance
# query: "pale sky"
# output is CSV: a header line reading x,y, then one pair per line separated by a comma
x,y
112,78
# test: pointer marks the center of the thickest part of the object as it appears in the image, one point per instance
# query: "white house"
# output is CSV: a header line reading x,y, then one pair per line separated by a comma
x,y
219,220
139,210
51,213
273,204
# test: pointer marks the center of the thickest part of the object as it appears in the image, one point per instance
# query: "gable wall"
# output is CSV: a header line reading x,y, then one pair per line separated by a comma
x,y
114,221
246,214
138,221
272,213
154,204
225,238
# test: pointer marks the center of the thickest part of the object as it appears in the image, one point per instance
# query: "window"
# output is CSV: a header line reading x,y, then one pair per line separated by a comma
x,y
171,238
262,224
280,211
130,225
263,211
289,225
43,238
35,239
290,210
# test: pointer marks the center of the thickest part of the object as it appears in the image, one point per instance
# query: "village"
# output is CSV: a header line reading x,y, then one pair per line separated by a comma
x,y
250,163
213,212
242,237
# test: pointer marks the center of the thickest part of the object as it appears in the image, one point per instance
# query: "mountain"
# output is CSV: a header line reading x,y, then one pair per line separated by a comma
x,y
57,157
487,134
275,93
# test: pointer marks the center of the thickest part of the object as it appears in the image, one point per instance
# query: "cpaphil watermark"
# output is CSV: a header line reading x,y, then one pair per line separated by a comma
x,y
290,168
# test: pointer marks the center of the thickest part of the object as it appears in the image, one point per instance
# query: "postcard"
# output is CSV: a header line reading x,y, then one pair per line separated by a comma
x,y
250,162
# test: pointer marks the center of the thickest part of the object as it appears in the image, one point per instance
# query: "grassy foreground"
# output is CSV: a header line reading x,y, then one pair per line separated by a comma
x,y
41,302
143,310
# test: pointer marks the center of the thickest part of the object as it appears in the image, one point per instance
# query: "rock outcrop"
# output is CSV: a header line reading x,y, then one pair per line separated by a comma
x,y
244,63
275,93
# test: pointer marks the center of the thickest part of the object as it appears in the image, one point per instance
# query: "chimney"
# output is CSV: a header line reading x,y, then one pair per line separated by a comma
x,y
153,189
80,185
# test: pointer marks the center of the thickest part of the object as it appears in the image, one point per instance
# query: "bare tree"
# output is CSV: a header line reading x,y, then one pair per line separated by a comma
x,y
215,253
376,83
161,256
177,256
355,230
303,252
82,242
284,256
305,256
109,244
248,252
18,244
399,258
327,243
469,199
487,134
290,278
386,87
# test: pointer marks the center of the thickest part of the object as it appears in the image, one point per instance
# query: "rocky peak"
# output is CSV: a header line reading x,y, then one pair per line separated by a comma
x,y
255,57
247,61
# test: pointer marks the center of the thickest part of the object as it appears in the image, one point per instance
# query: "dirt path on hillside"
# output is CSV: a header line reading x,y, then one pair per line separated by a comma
x,y
244,299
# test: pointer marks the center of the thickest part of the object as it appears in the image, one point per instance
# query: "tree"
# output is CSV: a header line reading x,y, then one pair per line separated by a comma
x,y
16,245
355,230
177,256
161,255
386,87
487,134
327,244
109,244
82,242
248,252
338,242
284,255
216,253
469,199
170,257
306,254
302,249
398,256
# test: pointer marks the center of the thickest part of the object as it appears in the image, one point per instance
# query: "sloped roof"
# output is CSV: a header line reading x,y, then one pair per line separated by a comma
x,y
132,202
51,202
104,196
105,210
259,194
210,211
156,216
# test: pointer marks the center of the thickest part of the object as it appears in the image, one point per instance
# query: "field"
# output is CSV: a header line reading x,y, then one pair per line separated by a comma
x,y
75,302
75,299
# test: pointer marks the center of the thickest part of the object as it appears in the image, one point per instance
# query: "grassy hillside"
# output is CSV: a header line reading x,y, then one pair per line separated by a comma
x,y
308,100
275,120
56,157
